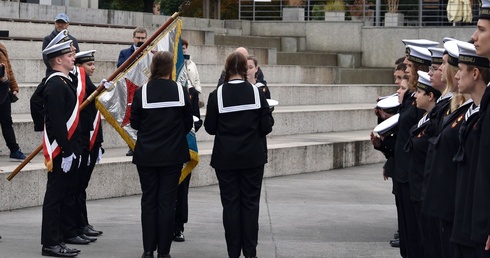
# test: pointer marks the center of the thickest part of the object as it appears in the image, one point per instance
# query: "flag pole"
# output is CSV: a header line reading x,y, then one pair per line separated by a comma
x,y
101,87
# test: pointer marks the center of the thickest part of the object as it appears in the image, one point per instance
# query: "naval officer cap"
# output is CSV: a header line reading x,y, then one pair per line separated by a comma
x,y
485,10
85,56
452,50
424,83
419,55
61,37
388,102
467,55
420,42
387,126
436,54
58,49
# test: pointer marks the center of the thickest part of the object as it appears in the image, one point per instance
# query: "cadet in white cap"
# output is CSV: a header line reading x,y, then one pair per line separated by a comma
x,y
426,97
417,59
440,169
91,134
471,206
36,101
481,40
62,158
61,23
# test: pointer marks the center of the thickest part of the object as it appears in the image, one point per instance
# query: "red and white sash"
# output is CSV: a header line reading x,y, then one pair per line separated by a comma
x,y
51,149
95,131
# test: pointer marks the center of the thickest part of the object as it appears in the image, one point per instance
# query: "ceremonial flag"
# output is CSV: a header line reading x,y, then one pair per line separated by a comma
x,y
115,102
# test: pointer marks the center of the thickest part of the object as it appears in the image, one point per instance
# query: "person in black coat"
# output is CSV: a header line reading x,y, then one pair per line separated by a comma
x,y
161,112
91,135
61,151
61,23
240,118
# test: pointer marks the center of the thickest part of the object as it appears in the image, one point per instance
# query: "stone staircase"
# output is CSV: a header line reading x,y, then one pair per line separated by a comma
x,y
323,120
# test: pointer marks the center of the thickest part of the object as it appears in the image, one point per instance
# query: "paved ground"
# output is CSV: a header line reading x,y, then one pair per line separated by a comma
x,y
339,213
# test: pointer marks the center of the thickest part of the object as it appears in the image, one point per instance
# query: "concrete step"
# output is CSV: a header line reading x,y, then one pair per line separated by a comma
x,y
289,120
116,176
248,41
33,70
307,58
365,75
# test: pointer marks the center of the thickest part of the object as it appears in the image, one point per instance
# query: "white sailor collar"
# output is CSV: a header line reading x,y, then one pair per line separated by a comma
x,y
164,104
222,109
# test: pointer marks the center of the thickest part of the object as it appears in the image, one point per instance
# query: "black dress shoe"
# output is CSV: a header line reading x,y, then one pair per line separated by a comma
x,y
395,243
77,241
147,255
91,239
129,153
90,232
56,251
179,236
70,250
164,256
92,228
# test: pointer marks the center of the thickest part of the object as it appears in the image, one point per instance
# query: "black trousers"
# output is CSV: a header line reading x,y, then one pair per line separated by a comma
x,y
446,230
6,124
409,229
182,205
400,220
240,197
159,187
59,207
85,173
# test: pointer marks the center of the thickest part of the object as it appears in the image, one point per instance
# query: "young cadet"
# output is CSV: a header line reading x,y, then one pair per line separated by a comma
x,y
417,59
440,184
426,97
91,135
239,116
481,210
473,75
61,149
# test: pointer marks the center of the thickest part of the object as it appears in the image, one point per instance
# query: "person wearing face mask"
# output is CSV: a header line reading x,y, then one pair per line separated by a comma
x,y
139,37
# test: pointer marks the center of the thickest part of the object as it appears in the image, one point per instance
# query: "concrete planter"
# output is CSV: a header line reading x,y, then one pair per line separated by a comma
x,y
394,19
293,14
334,16
367,20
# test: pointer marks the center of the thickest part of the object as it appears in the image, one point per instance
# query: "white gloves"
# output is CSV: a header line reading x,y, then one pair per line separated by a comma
x,y
66,162
99,157
106,84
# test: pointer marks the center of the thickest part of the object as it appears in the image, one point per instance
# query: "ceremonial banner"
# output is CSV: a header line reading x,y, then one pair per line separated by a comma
x,y
115,102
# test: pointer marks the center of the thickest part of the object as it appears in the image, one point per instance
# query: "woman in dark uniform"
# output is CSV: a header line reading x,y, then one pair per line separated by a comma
x,y
240,118
440,185
409,116
161,112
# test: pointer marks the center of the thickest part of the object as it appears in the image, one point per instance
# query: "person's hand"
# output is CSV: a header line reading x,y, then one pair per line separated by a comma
x,y
487,244
99,157
107,84
88,160
375,140
385,177
383,115
66,162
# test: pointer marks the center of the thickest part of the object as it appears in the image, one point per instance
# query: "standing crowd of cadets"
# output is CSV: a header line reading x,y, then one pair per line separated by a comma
x,y
73,144
440,175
